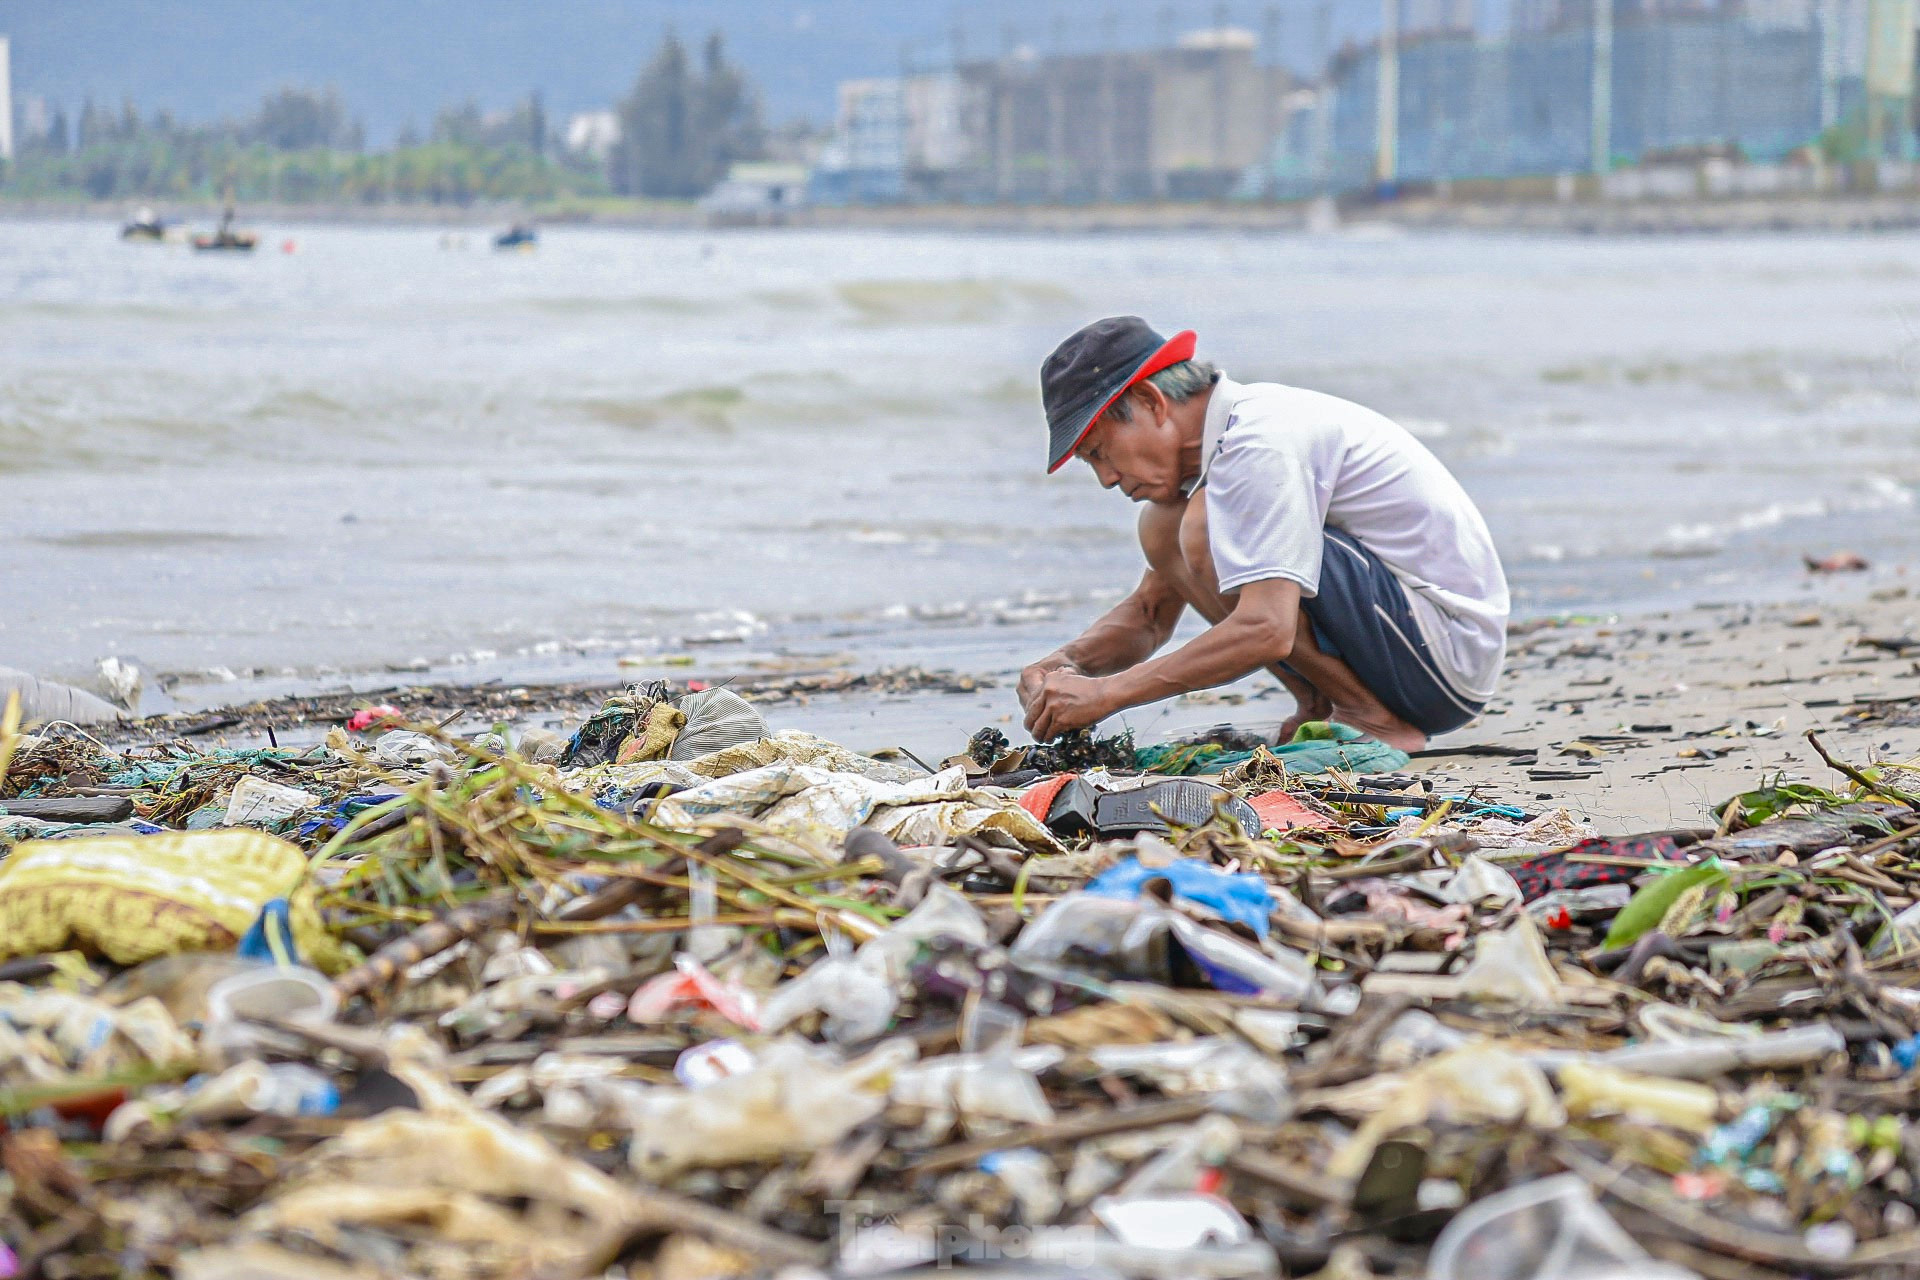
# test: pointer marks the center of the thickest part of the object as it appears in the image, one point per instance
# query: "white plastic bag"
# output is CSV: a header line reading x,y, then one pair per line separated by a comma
x,y
43,701
858,1000
1512,966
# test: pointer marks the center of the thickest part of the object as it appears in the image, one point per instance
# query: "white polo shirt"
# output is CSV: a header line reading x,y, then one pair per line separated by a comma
x,y
1280,464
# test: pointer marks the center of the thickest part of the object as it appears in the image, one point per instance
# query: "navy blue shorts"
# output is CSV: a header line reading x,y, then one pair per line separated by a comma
x,y
1362,617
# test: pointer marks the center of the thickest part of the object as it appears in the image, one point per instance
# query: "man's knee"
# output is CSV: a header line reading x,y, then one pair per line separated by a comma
x,y
1196,553
1160,537
1196,558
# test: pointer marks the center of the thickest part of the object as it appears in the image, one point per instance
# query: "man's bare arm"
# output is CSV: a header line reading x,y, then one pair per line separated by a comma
x,y
1127,634
1130,632
1258,633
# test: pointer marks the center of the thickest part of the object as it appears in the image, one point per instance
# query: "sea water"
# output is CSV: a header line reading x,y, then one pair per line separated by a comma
x,y
395,448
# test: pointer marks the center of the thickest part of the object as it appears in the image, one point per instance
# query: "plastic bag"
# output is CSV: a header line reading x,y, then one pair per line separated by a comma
x,y
655,735
49,1034
453,1180
1512,966
858,1000
943,912
1138,936
1172,1222
131,898
257,802
1902,934
43,701
1479,881
802,797
974,1087
1240,898
1705,1057
716,719
1029,1176
795,1100
1476,1083
1209,1064
975,814
1413,1036
404,749
691,985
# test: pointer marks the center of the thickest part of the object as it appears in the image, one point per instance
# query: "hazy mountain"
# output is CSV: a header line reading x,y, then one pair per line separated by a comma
x,y
400,61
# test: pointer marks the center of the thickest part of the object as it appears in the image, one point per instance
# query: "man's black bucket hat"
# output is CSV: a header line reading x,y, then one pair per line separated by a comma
x,y
1093,368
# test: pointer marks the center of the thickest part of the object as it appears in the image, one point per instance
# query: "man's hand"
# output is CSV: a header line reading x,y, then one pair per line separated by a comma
x,y
1066,701
1036,673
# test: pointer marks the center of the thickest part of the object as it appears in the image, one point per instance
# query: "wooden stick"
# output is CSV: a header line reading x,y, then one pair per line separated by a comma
x,y
385,967
1868,784
1075,1128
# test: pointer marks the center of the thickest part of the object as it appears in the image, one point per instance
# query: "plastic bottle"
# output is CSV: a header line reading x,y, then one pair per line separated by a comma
x,y
1709,1056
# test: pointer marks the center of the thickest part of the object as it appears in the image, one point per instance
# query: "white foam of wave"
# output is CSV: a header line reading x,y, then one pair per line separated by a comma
x,y
1880,493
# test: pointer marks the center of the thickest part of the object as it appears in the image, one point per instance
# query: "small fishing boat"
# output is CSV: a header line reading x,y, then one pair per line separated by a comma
x,y
145,228
520,235
227,239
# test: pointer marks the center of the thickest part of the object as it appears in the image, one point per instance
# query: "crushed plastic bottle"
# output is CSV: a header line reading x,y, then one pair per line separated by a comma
x,y
1550,1229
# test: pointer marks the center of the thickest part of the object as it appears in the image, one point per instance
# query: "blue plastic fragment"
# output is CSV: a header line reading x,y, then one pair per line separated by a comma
x,y
1237,897
336,816
1907,1052
270,940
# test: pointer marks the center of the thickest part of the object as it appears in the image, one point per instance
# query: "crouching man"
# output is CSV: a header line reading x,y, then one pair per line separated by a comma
x,y
1318,539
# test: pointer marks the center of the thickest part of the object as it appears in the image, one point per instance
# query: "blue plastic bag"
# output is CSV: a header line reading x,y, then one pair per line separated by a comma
x,y
1239,897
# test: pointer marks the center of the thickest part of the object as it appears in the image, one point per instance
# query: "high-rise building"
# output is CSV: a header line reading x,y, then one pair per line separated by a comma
x,y
6,99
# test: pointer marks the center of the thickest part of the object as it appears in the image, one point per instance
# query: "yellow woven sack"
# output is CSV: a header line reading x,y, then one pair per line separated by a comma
x,y
131,898
655,736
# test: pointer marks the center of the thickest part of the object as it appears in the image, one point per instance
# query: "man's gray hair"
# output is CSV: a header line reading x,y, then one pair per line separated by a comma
x,y
1178,382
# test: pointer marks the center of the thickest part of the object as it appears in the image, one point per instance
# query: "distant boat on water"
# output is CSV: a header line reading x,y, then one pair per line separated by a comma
x,y
145,228
227,239
521,235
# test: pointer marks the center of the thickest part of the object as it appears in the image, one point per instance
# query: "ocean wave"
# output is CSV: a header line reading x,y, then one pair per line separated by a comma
x,y
769,399
145,311
1800,378
977,533
1710,537
298,404
939,302
635,304
143,539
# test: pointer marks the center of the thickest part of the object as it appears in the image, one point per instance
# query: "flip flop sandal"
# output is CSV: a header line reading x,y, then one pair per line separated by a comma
x,y
1187,802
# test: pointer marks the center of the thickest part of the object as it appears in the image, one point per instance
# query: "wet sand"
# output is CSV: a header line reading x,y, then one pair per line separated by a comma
x,y
1667,715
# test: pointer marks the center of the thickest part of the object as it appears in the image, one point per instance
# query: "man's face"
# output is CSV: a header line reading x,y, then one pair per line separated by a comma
x,y
1140,458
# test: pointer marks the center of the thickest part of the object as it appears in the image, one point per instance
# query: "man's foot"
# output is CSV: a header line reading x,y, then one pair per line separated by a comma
x,y
1381,725
1303,713
1308,703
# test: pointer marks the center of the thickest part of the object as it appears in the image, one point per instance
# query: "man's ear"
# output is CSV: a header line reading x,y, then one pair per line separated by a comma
x,y
1154,401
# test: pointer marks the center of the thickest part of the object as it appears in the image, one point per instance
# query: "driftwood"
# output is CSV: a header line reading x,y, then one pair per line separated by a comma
x,y
71,809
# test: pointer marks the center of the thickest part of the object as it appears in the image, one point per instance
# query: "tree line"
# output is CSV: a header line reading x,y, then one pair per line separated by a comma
x,y
682,125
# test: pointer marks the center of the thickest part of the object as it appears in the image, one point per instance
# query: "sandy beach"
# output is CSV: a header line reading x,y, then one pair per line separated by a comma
x,y
1636,722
